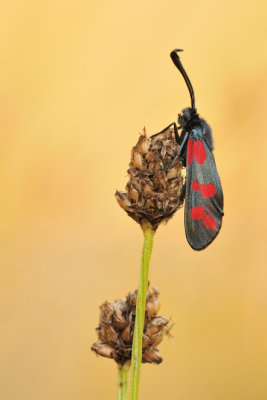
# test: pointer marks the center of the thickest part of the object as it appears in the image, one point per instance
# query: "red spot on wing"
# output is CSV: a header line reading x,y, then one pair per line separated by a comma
x,y
195,186
200,152
197,212
209,222
207,190
190,151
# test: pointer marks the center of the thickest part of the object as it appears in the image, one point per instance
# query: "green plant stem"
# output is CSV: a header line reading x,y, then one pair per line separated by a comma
x,y
140,312
123,371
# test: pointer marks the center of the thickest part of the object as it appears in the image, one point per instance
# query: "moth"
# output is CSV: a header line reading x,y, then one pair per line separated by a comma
x,y
203,190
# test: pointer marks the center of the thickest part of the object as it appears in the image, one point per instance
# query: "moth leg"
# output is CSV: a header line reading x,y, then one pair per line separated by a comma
x,y
182,196
177,137
165,129
178,152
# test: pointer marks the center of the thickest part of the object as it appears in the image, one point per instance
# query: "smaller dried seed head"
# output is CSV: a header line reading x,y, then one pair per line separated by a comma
x,y
116,328
154,192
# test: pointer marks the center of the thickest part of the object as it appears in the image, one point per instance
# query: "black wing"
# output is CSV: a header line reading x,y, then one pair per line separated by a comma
x,y
204,196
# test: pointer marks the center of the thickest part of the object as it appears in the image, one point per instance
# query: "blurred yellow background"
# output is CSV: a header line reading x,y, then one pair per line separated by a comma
x,y
79,80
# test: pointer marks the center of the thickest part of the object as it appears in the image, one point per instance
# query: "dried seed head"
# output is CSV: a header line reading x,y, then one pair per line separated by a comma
x,y
116,328
153,193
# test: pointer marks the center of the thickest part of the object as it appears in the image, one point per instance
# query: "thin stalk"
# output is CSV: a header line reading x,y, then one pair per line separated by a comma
x,y
140,311
123,371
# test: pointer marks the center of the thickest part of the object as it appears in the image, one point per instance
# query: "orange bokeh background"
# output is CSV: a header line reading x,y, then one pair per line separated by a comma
x,y
79,80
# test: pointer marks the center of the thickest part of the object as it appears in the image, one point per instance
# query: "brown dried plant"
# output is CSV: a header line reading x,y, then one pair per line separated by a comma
x,y
116,328
154,191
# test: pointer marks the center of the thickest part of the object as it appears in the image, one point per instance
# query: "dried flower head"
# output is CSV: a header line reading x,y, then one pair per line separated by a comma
x,y
116,328
153,192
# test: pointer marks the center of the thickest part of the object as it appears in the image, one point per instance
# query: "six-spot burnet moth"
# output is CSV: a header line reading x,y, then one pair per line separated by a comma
x,y
203,191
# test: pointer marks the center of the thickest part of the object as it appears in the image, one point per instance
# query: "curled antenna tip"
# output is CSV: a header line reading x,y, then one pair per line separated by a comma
x,y
177,62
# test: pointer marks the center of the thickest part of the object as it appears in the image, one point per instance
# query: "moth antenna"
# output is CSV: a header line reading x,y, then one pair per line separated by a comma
x,y
177,62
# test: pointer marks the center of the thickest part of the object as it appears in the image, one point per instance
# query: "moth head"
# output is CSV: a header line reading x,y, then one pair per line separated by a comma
x,y
187,115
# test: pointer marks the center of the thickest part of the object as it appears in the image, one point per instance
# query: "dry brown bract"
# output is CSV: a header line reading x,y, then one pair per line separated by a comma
x,y
153,193
116,328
